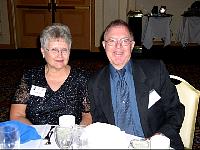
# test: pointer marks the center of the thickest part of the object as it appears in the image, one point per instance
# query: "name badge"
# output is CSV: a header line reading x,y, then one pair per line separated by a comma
x,y
38,91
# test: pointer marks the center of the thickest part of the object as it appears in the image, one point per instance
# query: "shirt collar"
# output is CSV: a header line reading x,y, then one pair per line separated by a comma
x,y
128,68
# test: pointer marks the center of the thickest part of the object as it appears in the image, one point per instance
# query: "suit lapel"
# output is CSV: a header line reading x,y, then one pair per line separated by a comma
x,y
142,95
105,96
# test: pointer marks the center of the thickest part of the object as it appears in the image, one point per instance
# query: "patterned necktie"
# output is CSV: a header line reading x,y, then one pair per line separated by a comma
x,y
122,100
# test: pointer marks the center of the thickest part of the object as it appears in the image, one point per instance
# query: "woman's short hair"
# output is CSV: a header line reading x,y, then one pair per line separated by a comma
x,y
55,31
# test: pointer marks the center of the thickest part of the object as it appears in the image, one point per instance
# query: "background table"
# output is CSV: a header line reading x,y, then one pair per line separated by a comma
x,y
189,30
157,27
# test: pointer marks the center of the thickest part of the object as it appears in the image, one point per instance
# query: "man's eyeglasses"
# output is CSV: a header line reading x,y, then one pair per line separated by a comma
x,y
123,42
56,51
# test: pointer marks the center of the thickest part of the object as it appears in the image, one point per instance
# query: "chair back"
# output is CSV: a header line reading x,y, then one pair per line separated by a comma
x,y
189,97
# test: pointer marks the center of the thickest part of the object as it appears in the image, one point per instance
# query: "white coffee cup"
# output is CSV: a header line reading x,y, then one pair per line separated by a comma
x,y
67,120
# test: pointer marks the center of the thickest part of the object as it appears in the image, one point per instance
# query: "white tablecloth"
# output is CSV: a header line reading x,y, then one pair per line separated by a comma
x,y
189,31
44,129
40,144
157,27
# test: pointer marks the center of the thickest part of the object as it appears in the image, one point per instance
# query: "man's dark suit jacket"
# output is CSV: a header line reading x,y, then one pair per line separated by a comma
x,y
165,116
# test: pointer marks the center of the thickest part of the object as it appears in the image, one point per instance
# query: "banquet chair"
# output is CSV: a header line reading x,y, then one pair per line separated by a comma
x,y
189,97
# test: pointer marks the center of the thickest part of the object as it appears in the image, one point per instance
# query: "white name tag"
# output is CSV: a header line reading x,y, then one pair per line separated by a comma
x,y
38,91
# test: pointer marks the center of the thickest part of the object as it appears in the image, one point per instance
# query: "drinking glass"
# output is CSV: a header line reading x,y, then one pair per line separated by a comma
x,y
9,137
140,144
80,140
64,137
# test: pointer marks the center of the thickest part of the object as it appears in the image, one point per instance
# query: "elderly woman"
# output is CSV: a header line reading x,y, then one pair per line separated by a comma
x,y
55,89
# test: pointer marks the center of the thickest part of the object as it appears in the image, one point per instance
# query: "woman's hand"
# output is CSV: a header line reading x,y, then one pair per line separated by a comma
x,y
86,119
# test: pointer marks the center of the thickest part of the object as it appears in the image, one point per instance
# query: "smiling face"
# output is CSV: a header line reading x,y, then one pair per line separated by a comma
x,y
118,45
56,53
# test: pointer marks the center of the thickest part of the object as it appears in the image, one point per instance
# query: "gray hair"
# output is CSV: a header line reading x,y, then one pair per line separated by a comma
x,y
55,31
118,22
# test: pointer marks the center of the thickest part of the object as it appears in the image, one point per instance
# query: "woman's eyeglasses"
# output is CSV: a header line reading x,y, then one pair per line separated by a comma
x,y
56,51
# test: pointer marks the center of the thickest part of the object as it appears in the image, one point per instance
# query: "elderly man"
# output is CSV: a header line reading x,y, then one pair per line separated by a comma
x,y
135,95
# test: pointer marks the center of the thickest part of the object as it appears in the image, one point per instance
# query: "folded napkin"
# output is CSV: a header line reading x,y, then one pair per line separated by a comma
x,y
160,141
26,132
105,136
